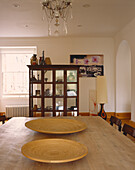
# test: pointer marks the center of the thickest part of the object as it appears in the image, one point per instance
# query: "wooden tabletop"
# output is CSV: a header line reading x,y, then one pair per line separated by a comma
x,y
108,149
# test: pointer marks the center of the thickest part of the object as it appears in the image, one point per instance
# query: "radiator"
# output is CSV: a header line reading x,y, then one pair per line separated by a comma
x,y
17,111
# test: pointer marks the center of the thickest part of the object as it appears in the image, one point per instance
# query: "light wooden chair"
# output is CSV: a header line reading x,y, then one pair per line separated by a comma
x,y
115,120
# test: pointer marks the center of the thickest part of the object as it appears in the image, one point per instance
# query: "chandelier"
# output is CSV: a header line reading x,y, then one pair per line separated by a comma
x,y
57,13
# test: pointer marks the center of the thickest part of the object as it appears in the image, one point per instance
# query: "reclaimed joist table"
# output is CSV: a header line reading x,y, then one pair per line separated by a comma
x,y
108,149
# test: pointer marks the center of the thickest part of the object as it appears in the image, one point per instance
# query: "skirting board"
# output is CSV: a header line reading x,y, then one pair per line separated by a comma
x,y
122,116
126,116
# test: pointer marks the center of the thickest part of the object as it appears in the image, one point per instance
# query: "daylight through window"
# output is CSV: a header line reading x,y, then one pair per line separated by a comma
x,y
15,73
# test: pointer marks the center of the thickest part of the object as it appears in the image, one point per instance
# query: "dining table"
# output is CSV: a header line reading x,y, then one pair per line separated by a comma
x,y
108,149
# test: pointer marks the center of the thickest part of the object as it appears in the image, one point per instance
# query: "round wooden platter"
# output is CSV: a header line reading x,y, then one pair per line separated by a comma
x,y
56,126
54,150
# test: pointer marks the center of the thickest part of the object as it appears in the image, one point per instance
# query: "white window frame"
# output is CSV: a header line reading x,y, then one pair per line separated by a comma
x,y
29,50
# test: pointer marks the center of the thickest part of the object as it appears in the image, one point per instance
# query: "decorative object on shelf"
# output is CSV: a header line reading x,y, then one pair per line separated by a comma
x,y
46,79
35,107
60,93
54,150
47,92
49,108
33,78
37,92
59,90
71,77
71,92
91,65
59,104
59,107
59,80
102,95
42,59
57,11
72,108
34,60
48,61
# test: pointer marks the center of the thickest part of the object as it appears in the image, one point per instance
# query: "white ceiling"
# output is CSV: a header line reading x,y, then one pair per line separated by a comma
x,y
102,18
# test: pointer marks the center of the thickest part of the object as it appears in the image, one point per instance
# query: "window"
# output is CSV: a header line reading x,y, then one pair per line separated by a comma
x,y
15,73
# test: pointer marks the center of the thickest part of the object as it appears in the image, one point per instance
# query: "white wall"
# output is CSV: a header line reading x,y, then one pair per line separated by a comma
x,y
128,34
123,78
59,50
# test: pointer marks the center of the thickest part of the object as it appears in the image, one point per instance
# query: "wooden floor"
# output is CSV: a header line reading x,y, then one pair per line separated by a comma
x,y
129,122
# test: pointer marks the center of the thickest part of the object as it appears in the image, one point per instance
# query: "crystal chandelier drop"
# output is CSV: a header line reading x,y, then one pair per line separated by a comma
x,y
57,12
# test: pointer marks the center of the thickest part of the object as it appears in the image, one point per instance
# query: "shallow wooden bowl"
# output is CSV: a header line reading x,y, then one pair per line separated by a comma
x,y
56,126
54,150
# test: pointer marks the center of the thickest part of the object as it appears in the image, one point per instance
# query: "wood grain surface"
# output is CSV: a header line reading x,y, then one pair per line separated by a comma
x,y
108,149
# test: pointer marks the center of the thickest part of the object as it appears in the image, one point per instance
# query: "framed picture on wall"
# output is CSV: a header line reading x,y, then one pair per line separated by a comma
x,y
91,65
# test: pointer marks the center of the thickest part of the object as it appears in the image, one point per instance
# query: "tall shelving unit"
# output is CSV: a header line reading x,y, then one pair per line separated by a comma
x,y
53,90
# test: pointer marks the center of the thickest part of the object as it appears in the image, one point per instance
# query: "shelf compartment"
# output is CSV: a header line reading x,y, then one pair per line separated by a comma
x,y
59,104
48,76
72,90
48,90
59,90
59,74
71,75
48,104
72,104
35,90
36,105
35,75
